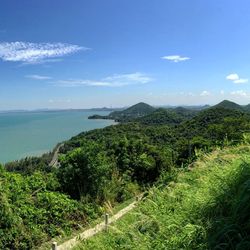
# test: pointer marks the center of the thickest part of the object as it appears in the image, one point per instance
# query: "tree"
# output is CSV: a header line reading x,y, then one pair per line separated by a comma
x,y
84,171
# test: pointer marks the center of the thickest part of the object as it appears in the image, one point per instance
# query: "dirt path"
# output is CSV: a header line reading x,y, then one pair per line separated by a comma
x,y
98,228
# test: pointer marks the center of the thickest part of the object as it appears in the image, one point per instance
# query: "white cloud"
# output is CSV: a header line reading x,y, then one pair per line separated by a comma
x,y
232,77
175,58
205,93
222,92
38,77
35,52
236,79
239,93
241,80
117,80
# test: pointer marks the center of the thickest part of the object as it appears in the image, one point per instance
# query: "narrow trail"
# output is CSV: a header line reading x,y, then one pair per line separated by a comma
x,y
98,228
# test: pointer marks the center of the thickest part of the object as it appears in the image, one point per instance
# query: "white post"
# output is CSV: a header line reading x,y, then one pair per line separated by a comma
x,y
54,245
106,222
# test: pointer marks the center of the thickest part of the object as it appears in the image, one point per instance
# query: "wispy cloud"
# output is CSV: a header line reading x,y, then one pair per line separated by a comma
x,y
127,79
117,80
241,80
35,52
38,77
80,82
176,58
236,79
205,93
239,93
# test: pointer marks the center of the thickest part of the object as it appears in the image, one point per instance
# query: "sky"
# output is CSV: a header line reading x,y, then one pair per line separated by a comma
x,y
114,53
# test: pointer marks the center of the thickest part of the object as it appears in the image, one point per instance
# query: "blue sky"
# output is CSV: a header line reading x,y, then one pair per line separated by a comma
x,y
81,54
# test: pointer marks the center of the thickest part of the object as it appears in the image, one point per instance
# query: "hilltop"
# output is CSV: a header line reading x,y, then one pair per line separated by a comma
x,y
138,110
229,105
233,106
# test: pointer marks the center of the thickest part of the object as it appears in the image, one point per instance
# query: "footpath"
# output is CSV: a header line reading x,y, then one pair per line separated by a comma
x,y
69,244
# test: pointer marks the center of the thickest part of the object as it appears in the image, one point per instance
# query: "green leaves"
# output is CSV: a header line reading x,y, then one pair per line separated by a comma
x,y
32,212
84,171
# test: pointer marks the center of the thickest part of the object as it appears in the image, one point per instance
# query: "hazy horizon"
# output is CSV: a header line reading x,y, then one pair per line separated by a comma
x,y
116,107
120,107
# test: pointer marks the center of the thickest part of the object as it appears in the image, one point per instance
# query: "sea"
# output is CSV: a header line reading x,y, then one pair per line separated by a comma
x,y
33,133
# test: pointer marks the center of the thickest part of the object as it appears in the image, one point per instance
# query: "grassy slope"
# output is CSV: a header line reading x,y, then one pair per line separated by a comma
x,y
206,207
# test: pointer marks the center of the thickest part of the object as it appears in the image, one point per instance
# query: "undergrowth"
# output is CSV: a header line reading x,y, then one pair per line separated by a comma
x,y
205,207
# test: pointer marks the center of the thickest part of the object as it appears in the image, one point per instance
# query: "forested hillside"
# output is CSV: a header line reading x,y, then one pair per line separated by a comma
x,y
169,117
108,166
205,206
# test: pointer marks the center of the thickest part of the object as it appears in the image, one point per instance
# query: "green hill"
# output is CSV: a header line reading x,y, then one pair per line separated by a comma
x,y
229,105
135,111
129,114
139,109
204,207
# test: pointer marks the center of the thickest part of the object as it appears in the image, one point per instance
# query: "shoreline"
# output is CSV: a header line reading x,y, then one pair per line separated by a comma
x,y
42,132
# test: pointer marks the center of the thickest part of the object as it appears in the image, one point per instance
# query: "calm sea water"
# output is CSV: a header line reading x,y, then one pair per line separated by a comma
x,y
34,133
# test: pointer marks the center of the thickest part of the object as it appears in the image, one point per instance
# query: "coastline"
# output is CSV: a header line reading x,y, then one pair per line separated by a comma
x,y
36,136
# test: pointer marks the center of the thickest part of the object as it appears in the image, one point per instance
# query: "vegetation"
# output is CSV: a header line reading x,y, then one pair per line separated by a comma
x,y
205,206
108,166
32,210
230,105
30,164
170,117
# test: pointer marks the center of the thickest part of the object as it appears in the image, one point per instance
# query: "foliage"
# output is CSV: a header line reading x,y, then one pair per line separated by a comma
x,y
89,169
169,117
205,207
84,171
32,211
30,164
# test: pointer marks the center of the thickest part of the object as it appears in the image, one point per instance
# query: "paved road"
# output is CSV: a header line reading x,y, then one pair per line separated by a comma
x,y
54,161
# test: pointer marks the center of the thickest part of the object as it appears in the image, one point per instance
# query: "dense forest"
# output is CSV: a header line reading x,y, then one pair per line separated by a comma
x,y
109,165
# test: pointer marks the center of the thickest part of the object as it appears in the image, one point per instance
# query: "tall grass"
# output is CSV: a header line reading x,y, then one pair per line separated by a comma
x,y
206,207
